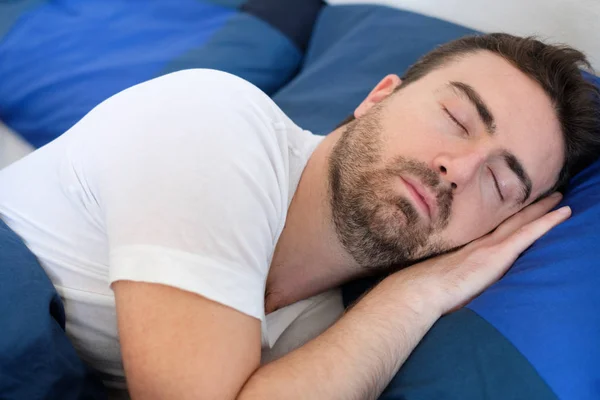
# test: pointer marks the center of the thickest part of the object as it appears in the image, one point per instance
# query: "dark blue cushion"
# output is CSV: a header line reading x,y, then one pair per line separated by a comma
x,y
37,360
543,316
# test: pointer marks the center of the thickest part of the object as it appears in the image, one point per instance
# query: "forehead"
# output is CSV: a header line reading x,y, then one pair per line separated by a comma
x,y
525,119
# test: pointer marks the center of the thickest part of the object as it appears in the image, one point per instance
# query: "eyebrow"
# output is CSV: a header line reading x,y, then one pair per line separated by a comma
x,y
517,167
485,115
489,122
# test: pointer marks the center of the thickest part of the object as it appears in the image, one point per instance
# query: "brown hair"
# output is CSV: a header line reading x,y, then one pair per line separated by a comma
x,y
556,68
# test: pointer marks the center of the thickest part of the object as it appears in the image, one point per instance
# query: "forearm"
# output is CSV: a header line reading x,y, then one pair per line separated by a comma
x,y
357,357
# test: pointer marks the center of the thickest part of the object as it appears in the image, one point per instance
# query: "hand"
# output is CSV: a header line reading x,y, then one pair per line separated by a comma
x,y
451,280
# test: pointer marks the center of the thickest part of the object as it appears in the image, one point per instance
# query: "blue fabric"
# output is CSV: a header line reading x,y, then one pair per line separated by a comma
x,y
247,47
547,306
63,58
37,359
463,357
11,11
294,18
59,59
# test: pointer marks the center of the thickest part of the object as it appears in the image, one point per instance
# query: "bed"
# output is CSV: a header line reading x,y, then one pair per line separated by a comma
x,y
533,335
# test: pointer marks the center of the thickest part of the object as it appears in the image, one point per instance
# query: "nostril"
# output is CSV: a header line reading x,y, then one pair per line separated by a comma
x,y
442,169
453,185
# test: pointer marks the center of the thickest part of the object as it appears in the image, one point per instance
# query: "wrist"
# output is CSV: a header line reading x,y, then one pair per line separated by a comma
x,y
423,295
397,295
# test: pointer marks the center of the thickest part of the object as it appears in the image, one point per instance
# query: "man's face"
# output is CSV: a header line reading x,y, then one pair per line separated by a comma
x,y
442,161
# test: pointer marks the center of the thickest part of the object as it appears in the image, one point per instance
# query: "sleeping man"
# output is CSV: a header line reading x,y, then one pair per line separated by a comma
x,y
186,220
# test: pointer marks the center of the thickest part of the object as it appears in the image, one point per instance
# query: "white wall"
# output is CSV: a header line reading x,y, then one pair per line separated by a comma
x,y
575,22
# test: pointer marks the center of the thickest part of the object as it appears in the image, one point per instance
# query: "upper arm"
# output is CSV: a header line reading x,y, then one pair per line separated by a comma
x,y
179,345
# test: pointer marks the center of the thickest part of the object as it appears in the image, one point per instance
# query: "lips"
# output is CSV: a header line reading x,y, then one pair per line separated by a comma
x,y
422,197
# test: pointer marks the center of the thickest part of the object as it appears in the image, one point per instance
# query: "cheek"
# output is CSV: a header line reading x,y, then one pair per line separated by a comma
x,y
466,225
420,142
413,123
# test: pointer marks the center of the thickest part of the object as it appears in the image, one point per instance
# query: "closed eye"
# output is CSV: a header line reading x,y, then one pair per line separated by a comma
x,y
454,120
497,185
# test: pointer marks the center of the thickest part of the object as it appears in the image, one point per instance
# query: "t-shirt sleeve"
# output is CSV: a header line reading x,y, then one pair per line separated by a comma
x,y
189,171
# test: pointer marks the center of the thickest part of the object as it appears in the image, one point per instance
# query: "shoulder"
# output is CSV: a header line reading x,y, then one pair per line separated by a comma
x,y
201,91
195,134
195,137
202,110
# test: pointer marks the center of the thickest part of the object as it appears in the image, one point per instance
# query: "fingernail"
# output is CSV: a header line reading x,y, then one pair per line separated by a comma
x,y
565,210
556,195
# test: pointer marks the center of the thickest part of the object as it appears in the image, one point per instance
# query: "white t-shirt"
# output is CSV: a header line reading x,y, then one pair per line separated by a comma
x,y
184,180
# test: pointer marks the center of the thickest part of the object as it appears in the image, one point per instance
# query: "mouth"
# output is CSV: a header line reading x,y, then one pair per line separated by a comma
x,y
422,197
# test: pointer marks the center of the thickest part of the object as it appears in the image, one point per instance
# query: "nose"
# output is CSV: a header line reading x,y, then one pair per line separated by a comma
x,y
458,170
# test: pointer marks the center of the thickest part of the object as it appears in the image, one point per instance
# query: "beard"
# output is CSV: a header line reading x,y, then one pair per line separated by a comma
x,y
376,225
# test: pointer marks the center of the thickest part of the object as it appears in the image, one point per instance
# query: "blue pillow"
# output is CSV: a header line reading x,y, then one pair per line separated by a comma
x,y
59,59
533,335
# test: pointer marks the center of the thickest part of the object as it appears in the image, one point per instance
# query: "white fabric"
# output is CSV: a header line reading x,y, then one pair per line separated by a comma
x,y
184,180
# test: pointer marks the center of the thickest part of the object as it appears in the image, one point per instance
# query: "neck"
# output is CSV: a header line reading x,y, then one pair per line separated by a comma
x,y
309,258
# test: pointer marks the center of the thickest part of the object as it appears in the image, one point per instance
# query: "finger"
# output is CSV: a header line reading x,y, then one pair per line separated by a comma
x,y
507,251
525,216
524,237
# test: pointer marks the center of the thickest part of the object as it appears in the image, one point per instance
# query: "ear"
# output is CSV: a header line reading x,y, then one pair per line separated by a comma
x,y
380,92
